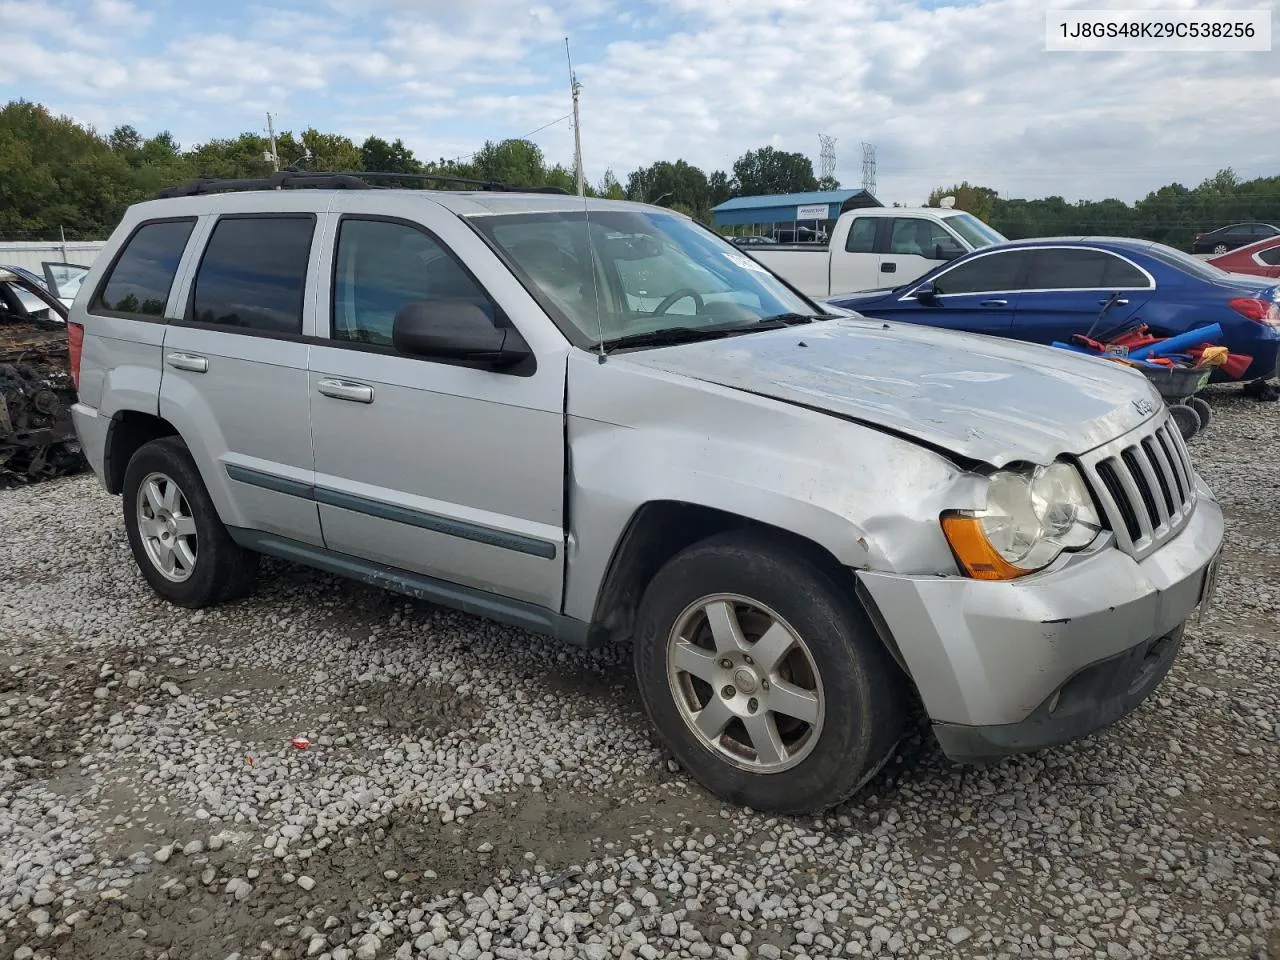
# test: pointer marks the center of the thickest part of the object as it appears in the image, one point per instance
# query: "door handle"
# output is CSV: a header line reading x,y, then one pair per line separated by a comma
x,y
346,390
188,361
888,268
994,303
1114,303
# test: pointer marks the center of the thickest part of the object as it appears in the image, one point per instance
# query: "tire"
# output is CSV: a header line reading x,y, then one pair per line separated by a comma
x,y
1203,410
162,488
1220,248
1186,418
839,666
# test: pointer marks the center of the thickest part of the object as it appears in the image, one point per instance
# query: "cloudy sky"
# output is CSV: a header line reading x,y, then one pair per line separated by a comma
x,y
945,90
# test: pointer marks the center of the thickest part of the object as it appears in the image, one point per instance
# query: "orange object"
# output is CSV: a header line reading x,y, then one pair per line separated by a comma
x,y
974,552
1212,357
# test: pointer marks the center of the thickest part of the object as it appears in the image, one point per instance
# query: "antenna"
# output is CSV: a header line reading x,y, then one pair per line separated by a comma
x,y
574,87
827,156
869,167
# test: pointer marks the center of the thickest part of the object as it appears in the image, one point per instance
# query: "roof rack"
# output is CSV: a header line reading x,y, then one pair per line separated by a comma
x,y
341,180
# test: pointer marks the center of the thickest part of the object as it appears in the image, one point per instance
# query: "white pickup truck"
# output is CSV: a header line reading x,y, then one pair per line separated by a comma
x,y
877,247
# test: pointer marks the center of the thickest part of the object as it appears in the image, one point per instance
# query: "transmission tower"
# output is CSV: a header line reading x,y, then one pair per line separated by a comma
x,y
869,167
827,156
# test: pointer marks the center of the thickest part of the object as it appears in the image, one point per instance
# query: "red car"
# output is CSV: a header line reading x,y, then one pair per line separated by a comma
x,y
1261,258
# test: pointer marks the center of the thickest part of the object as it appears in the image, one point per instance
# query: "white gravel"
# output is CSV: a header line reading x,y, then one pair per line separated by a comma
x,y
474,792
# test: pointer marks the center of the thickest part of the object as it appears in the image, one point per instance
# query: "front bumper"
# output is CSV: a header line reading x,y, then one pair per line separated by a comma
x,y
1005,667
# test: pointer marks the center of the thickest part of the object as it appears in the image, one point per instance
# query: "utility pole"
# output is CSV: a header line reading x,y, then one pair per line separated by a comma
x,y
574,87
271,133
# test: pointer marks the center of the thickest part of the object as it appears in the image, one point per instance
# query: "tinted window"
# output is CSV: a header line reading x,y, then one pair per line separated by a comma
x,y
1270,257
862,236
1067,269
139,281
1122,273
911,236
987,274
253,273
381,267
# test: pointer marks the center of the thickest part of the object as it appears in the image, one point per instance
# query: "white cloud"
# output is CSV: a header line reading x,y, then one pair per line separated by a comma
x,y
957,92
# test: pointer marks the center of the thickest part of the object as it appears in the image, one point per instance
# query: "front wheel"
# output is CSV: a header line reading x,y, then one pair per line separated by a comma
x,y
1220,248
178,540
764,677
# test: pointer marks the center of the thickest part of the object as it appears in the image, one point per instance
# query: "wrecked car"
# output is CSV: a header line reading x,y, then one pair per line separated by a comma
x,y
37,438
600,421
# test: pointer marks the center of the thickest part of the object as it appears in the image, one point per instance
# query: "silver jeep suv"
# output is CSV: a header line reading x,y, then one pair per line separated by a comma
x,y
600,421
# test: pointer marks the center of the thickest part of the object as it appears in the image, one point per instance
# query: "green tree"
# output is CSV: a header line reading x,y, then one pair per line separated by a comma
x,y
377,154
670,184
980,201
828,183
610,188
718,190
766,170
330,151
516,162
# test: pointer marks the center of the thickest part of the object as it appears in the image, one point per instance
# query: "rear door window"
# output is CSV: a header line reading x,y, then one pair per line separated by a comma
x,y
253,274
138,283
1073,269
1271,257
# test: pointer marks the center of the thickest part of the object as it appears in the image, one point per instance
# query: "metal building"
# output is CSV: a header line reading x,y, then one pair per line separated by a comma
x,y
788,217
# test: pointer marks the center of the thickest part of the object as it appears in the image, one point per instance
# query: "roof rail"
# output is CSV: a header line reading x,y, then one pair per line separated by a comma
x,y
341,180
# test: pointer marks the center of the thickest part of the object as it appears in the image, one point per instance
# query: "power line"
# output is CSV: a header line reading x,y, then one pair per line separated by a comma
x,y
468,156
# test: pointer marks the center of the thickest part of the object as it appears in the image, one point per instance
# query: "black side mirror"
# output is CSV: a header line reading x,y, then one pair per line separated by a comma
x,y
456,330
928,294
947,252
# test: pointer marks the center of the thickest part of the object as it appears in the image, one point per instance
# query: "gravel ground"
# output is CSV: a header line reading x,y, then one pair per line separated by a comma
x,y
471,791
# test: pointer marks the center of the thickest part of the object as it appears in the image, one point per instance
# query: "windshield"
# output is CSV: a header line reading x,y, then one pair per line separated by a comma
x,y
974,230
653,272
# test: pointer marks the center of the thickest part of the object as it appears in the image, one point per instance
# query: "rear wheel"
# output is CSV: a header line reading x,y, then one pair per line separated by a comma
x,y
764,677
180,544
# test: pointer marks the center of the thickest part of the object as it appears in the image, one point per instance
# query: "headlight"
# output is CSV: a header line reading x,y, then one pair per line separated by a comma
x,y
1031,517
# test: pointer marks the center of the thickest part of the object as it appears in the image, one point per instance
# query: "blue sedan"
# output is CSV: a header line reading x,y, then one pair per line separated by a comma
x,y
1047,290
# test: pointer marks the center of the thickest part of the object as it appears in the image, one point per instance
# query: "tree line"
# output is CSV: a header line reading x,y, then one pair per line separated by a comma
x,y
1173,214
58,176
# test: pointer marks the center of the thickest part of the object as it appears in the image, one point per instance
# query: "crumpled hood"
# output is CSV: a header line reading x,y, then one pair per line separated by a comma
x,y
981,397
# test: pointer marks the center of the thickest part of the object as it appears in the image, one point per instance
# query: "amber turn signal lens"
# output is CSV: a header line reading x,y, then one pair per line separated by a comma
x,y
977,558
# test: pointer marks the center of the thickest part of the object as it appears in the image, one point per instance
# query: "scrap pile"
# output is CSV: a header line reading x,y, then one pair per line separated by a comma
x,y
1178,366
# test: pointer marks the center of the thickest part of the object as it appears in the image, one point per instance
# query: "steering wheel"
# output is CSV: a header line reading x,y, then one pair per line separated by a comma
x,y
680,294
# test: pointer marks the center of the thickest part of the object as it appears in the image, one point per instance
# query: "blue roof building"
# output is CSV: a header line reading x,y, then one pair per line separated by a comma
x,y
789,208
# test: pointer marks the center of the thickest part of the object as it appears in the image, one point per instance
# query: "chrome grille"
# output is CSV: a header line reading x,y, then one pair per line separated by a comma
x,y
1145,484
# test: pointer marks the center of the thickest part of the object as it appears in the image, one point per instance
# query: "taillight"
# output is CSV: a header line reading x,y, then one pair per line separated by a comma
x,y
75,344
1263,311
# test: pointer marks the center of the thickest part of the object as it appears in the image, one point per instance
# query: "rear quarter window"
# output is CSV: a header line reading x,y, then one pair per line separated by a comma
x,y
138,283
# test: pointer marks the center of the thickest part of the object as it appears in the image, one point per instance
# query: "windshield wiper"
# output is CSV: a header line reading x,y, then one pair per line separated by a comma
x,y
672,335
791,319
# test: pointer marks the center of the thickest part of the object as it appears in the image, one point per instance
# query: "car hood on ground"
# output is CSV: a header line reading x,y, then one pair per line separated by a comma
x,y
980,397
